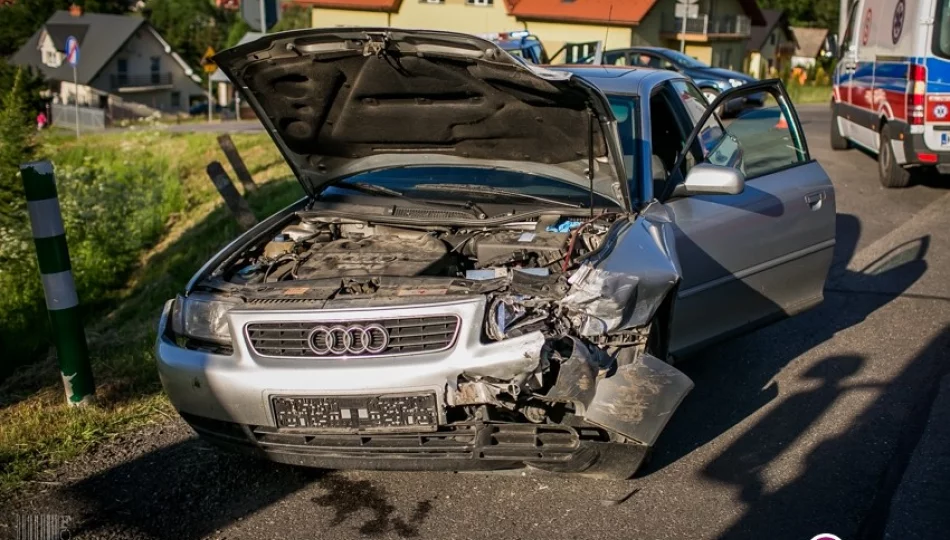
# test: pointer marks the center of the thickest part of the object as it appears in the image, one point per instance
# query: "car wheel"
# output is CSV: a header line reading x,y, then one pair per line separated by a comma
x,y
892,175
711,94
838,141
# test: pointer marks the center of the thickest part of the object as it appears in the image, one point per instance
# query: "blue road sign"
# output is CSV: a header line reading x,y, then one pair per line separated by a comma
x,y
72,51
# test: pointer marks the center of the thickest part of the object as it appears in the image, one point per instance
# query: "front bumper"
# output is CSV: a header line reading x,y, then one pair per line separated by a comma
x,y
453,448
238,387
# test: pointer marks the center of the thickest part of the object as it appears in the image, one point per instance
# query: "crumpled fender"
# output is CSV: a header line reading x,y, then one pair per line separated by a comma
x,y
639,398
626,283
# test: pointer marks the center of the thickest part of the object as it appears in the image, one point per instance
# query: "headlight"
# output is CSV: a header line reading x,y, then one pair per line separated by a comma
x,y
736,82
203,317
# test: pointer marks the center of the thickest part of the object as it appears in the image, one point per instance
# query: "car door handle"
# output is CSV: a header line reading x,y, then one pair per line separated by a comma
x,y
813,200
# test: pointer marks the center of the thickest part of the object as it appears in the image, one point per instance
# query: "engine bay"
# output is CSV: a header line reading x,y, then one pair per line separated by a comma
x,y
346,249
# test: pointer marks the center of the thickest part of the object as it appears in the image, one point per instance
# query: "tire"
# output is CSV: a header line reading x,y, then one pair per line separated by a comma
x,y
711,94
838,141
892,175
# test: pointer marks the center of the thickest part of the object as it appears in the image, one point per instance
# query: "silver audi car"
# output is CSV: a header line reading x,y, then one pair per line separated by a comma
x,y
495,264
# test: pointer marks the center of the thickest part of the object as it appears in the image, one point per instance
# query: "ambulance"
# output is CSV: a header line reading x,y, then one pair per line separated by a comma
x,y
892,86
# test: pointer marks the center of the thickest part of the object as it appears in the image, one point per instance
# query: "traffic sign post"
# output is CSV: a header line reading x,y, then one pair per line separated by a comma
x,y
685,9
72,56
210,67
260,15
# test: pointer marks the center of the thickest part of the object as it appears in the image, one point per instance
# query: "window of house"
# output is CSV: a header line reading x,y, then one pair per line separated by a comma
x,y
122,66
727,58
773,38
176,99
479,2
431,1
156,69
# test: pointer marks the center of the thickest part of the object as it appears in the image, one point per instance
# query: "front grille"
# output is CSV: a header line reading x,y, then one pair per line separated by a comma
x,y
413,335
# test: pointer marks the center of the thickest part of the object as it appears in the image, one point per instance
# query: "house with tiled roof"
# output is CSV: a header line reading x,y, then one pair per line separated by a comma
x,y
770,46
122,58
714,31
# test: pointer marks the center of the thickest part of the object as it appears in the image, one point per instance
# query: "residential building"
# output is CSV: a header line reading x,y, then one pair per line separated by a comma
x,y
713,31
226,96
123,63
811,43
770,46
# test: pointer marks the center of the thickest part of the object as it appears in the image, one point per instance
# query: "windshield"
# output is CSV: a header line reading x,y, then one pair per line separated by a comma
x,y
415,183
942,29
684,60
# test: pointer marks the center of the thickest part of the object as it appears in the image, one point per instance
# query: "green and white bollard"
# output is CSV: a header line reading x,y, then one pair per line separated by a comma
x,y
56,272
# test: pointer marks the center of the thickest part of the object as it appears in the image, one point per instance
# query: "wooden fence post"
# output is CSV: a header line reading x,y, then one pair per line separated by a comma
x,y
234,158
234,200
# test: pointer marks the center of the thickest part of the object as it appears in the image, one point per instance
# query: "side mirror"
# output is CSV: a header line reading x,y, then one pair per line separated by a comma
x,y
707,179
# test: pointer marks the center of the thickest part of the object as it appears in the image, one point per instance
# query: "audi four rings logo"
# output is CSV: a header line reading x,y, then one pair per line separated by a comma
x,y
338,340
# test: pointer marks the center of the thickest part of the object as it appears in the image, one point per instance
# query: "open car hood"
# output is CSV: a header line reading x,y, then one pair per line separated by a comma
x,y
339,102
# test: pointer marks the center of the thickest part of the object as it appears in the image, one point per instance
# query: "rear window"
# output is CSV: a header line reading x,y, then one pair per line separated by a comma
x,y
942,29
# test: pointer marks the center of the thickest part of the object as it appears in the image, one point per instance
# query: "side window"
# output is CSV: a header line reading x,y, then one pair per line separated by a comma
x,y
695,104
645,60
849,31
762,139
615,59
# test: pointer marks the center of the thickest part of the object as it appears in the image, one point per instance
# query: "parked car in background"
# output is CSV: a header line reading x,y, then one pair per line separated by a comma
x,y
202,108
711,81
495,263
892,86
520,44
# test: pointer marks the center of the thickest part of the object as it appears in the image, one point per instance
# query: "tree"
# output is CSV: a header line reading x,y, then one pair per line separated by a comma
x,y
16,147
189,26
820,13
293,17
20,19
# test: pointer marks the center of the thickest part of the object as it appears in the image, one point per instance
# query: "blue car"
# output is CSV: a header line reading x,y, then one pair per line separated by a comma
x,y
712,81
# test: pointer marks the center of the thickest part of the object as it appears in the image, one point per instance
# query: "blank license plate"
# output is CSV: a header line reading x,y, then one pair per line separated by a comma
x,y
412,412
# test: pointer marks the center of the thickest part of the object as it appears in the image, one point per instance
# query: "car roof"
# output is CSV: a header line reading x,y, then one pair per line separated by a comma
x,y
620,79
639,48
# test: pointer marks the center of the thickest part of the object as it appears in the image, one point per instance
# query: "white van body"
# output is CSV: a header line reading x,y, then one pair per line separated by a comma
x,y
892,85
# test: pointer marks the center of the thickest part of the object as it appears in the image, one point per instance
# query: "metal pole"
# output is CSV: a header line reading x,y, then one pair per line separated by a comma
x,y
210,100
76,99
683,30
263,19
62,304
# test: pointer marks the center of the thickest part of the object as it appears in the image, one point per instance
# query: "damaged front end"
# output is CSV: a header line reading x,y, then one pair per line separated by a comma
x,y
568,334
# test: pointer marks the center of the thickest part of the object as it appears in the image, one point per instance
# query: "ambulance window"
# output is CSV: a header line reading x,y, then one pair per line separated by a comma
x,y
849,32
942,29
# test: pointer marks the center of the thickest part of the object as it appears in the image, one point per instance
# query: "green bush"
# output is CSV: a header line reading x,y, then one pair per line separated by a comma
x,y
115,204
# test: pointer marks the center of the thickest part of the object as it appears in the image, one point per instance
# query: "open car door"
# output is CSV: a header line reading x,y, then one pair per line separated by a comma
x,y
580,52
765,251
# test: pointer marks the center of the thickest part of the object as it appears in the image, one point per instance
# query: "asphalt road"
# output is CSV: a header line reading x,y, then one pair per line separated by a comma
x,y
800,428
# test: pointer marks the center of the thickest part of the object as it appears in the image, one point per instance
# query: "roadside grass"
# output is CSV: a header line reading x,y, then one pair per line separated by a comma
x,y
37,430
809,94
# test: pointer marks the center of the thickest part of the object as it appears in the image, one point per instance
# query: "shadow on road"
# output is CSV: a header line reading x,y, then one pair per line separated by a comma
x,y
834,475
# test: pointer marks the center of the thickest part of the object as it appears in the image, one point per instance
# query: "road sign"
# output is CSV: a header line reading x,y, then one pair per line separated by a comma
x,y
252,11
72,51
686,10
207,62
